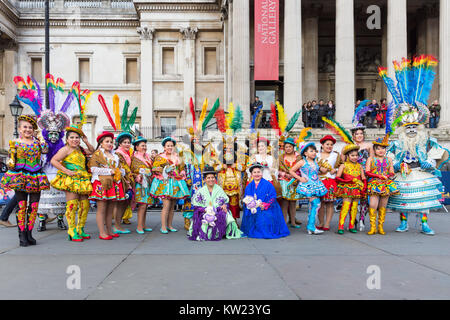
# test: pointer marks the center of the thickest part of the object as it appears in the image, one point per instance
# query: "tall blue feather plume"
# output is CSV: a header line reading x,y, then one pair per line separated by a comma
x,y
390,117
34,105
67,102
255,115
51,98
392,89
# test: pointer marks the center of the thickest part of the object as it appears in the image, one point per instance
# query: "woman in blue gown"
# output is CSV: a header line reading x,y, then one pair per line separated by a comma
x,y
262,217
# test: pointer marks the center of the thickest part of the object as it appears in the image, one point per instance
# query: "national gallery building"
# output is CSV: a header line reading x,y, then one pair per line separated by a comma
x,y
160,53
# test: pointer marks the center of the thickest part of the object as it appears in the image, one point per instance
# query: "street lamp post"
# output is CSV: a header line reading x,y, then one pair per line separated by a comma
x,y
16,111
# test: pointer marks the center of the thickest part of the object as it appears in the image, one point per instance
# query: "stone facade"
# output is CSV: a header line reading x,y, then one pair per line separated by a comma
x,y
174,50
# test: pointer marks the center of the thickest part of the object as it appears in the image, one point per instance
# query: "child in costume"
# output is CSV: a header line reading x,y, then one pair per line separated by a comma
x,y
306,171
168,182
262,216
350,178
25,176
74,179
141,167
212,221
108,183
379,170
350,186
365,151
333,159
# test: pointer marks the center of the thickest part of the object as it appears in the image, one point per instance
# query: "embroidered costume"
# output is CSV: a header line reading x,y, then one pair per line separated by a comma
x,y
328,179
209,221
417,173
108,179
168,179
376,185
268,222
141,166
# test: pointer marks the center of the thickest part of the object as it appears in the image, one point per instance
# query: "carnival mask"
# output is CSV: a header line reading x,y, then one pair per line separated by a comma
x,y
53,136
411,130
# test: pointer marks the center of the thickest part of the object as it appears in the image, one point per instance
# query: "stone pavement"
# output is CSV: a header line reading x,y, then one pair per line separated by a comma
x,y
156,266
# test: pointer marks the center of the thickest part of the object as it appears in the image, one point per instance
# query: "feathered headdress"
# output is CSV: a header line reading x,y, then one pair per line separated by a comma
x,y
304,135
412,91
338,129
30,93
274,119
360,111
121,122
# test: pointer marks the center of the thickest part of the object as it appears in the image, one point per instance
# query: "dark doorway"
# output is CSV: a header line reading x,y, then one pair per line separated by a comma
x,y
268,92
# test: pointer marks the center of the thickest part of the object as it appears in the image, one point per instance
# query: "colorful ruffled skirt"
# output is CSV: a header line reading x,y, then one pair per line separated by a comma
x,y
419,191
79,183
115,193
312,188
29,182
142,195
288,191
169,188
382,188
349,190
331,185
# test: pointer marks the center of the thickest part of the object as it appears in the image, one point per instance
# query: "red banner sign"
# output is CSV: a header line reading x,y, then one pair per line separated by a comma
x,y
267,39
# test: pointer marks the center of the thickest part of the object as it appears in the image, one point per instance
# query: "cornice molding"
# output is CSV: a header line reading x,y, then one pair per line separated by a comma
x,y
177,7
83,23
12,15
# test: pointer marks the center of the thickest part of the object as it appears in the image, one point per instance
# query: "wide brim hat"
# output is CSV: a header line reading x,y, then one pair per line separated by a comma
x,y
384,142
290,141
326,138
123,135
139,139
29,119
208,170
349,147
167,139
105,134
75,129
305,146
255,165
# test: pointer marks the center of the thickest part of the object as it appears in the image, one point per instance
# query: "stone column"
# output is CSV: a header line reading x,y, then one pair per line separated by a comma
x,y
241,57
311,53
432,43
345,61
444,63
397,41
292,56
146,72
10,66
189,36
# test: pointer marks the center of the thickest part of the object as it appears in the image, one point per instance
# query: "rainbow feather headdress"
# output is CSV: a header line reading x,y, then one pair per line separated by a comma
x,y
411,92
61,106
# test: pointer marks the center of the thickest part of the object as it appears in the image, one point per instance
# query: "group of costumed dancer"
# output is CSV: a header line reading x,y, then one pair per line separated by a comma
x,y
265,178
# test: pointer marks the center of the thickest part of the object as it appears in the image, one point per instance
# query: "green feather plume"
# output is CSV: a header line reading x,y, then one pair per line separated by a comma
x,y
124,118
210,114
236,123
397,121
293,121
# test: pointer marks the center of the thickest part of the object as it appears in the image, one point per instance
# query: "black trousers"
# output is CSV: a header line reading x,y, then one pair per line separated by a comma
x,y
9,208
